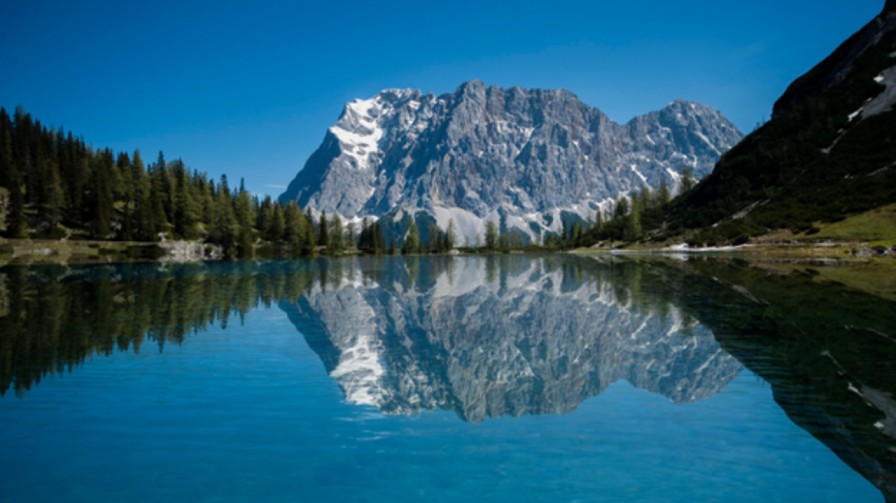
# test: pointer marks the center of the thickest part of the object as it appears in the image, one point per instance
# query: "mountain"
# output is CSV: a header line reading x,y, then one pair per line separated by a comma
x,y
536,158
491,336
828,153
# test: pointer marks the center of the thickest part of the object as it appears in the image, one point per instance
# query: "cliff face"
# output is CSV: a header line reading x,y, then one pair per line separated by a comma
x,y
530,157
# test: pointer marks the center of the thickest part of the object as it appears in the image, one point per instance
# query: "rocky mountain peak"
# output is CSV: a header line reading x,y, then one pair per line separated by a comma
x,y
534,159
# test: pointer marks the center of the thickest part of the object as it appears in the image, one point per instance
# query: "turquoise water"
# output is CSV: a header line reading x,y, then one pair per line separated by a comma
x,y
524,379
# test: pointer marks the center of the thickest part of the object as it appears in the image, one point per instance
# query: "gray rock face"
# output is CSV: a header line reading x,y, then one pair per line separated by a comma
x,y
486,338
482,153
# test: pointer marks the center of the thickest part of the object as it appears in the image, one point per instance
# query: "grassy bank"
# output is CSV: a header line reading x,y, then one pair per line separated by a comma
x,y
50,251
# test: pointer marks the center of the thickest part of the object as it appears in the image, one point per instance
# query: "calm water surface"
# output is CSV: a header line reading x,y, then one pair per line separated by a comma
x,y
442,379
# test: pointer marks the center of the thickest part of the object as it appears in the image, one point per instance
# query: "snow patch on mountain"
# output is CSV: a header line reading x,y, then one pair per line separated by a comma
x,y
884,101
534,159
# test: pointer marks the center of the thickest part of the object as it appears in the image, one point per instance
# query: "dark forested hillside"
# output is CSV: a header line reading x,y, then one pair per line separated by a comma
x,y
828,152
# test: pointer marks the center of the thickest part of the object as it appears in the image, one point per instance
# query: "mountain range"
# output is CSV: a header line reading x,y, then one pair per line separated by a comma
x,y
531,160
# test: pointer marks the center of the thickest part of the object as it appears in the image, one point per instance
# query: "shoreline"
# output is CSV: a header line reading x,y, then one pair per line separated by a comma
x,y
50,251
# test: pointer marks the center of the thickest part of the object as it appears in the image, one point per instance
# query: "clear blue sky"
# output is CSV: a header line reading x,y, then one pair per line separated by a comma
x,y
248,89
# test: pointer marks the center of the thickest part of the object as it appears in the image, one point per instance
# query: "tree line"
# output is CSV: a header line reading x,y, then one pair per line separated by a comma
x,y
53,185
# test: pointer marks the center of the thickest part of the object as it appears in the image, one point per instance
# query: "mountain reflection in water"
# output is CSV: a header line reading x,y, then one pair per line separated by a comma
x,y
498,335
502,335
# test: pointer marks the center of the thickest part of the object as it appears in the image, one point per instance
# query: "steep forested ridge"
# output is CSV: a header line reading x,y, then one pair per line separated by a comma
x,y
829,150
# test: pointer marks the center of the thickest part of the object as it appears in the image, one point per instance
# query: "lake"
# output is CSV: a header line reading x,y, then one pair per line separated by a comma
x,y
498,378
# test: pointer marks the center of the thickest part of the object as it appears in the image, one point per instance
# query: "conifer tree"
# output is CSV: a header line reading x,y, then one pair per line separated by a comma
x,y
351,238
246,245
412,239
101,199
292,217
127,196
265,215
491,236
622,207
244,207
157,210
143,223
336,239
578,232
323,233
11,179
632,229
224,227
663,195
278,224
186,211
7,165
379,242
308,249
435,241
52,197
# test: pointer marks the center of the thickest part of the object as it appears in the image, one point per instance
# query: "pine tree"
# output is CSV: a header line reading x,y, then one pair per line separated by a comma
x,y
246,245
100,211
412,239
308,248
379,242
157,210
11,178
278,224
186,212
664,196
7,165
244,206
265,215
165,187
351,238
127,195
632,229
622,207
491,236
292,217
143,223
577,234
336,239
53,199
364,235
323,233
16,226
435,241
